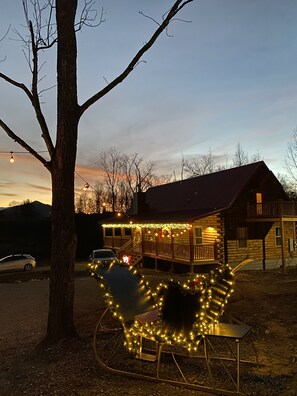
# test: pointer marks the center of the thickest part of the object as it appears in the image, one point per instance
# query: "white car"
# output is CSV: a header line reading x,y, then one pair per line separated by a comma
x,y
23,262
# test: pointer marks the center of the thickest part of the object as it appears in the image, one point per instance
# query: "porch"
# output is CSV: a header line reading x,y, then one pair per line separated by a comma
x,y
188,255
285,210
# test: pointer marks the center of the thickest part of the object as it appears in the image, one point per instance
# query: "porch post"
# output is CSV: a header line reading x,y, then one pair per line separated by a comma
x,y
282,230
263,253
171,245
142,241
191,249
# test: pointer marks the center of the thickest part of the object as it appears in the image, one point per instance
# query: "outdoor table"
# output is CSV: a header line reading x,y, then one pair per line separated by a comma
x,y
228,331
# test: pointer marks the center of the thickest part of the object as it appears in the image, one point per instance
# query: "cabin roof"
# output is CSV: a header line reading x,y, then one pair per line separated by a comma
x,y
207,193
197,197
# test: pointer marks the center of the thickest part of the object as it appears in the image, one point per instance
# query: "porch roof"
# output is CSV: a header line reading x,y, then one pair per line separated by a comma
x,y
188,216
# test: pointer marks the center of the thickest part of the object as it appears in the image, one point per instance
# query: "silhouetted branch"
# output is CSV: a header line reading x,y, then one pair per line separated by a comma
x,y
163,17
2,38
178,5
88,16
22,143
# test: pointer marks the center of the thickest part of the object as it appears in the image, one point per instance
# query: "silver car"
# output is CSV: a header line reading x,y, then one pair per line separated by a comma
x,y
23,262
101,257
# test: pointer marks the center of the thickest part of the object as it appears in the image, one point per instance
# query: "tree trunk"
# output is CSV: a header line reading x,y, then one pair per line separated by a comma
x,y
60,319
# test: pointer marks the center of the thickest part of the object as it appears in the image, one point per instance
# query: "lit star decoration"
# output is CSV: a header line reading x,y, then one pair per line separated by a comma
x,y
207,293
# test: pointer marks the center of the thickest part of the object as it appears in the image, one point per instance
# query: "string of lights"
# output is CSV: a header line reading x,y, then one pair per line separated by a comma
x,y
212,293
12,160
87,185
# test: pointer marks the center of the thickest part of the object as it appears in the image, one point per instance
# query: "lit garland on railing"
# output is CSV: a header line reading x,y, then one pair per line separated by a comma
x,y
212,291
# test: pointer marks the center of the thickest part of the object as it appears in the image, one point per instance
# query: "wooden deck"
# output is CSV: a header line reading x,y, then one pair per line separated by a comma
x,y
170,251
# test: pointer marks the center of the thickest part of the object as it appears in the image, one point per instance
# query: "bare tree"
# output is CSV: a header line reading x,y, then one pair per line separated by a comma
x,y
289,185
256,157
110,162
49,23
124,175
201,166
240,156
100,196
139,174
291,157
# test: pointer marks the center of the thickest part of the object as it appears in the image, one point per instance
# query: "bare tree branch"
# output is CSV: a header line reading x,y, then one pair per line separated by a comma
x,y
22,143
6,33
37,108
2,38
33,47
178,5
88,16
17,84
164,16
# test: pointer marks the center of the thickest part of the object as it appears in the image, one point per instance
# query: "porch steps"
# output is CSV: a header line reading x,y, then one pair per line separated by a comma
x,y
136,260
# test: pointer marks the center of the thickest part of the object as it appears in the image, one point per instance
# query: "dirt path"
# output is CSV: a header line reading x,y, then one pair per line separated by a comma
x,y
266,301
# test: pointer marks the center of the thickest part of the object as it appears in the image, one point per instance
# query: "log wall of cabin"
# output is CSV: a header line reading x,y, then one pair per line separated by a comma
x,y
273,251
254,248
210,228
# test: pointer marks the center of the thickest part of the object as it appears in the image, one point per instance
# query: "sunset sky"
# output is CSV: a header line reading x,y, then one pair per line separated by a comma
x,y
227,76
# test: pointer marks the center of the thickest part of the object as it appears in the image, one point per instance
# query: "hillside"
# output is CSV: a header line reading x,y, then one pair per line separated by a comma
x,y
35,209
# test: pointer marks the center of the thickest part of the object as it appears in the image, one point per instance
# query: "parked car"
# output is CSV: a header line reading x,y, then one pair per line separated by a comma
x,y
102,257
23,262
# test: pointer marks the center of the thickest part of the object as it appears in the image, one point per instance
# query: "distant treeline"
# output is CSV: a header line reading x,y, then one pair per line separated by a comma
x,y
33,236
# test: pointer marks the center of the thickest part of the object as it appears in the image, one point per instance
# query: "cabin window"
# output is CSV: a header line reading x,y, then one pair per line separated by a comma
x,y
128,231
278,236
242,236
259,203
198,236
108,232
117,232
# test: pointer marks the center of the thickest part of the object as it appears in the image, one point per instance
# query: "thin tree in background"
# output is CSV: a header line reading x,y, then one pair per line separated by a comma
x,y
124,175
110,162
201,166
291,157
240,156
52,23
139,174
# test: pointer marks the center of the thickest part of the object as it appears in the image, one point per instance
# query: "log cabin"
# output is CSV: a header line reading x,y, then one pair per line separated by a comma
x,y
191,224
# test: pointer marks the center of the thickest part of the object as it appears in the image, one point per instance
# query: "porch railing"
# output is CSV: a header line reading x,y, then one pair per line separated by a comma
x,y
273,209
204,252
162,249
179,251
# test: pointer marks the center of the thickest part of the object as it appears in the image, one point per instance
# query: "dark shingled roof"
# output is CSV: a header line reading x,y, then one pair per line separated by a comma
x,y
202,194
190,199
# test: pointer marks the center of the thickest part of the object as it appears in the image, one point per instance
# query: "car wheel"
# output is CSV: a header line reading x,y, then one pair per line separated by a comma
x,y
28,267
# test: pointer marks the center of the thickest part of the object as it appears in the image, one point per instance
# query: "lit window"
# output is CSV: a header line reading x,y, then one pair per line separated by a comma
x,y
242,236
278,236
198,236
259,203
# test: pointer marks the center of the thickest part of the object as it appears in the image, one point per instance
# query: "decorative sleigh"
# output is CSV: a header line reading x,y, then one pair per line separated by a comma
x,y
171,334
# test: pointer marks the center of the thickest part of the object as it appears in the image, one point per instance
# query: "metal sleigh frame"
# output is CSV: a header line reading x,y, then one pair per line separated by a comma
x,y
153,336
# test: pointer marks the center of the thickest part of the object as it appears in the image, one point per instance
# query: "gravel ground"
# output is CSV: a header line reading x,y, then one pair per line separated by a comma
x,y
264,300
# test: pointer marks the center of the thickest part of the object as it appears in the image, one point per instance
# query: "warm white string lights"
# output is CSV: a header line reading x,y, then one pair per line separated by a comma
x,y
12,160
12,153
212,291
